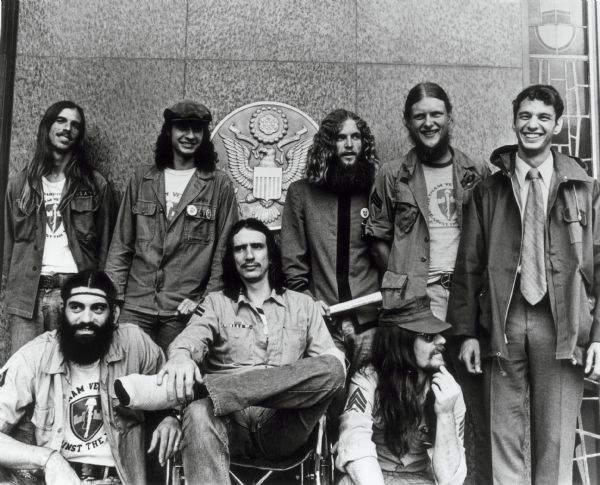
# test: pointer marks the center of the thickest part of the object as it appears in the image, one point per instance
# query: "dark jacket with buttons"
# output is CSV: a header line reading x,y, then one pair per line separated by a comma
x,y
88,215
156,263
488,258
399,212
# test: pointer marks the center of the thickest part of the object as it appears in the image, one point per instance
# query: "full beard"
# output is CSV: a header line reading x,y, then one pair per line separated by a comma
x,y
431,154
353,179
84,349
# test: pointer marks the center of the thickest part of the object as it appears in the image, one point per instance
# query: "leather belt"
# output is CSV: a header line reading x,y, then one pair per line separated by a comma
x,y
96,474
55,280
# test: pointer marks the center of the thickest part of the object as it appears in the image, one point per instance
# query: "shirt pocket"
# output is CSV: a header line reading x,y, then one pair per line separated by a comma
x,y
239,342
294,344
43,417
199,223
145,220
82,215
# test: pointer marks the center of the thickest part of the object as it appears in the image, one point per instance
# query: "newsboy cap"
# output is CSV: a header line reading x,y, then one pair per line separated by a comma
x,y
187,110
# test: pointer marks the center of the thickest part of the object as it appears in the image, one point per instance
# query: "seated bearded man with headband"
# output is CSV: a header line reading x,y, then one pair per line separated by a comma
x,y
404,418
65,380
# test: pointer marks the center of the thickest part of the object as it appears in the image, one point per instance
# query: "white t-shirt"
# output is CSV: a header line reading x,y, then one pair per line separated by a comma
x,y
57,257
85,439
175,183
444,232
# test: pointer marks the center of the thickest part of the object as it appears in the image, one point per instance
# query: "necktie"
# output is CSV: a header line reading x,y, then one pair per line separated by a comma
x,y
533,268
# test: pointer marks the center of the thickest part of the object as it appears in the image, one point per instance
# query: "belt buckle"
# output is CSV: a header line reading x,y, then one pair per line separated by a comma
x,y
446,280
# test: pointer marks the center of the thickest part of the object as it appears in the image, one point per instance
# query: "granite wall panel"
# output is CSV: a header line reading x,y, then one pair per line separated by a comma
x,y
106,28
314,88
481,99
286,30
465,32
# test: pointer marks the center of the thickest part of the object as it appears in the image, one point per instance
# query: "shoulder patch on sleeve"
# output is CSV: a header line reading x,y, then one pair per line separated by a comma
x,y
199,310
357,401
376,200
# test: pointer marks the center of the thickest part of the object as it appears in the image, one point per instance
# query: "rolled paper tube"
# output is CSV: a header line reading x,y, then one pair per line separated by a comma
x,y
356,302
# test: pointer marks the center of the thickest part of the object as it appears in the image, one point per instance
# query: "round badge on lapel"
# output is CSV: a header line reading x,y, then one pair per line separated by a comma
x,y
192,210
364,213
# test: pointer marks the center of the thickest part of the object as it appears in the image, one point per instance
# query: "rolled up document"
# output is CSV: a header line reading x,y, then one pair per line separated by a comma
x,y
356,302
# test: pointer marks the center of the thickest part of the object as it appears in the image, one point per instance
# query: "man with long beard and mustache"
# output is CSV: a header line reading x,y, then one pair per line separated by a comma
x,y
416,209
66,379
403,422
325,253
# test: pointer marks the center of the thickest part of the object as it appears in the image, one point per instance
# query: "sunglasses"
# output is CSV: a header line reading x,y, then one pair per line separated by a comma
x,y
428,337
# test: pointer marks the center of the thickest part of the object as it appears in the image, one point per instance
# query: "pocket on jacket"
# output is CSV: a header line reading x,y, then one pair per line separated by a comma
x,y
23,224
199,223
586,309
393,289
485,310
575,220
406,216
145,220
82,215
43,417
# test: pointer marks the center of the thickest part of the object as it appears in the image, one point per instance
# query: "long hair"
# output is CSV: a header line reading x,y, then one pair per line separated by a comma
x,y
398,391
231,278
425,90
323,150
78,171
543,92
205,157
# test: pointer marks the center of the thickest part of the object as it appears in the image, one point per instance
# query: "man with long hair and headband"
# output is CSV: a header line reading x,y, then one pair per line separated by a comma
x,y
325,252
170,234
403,423
58,219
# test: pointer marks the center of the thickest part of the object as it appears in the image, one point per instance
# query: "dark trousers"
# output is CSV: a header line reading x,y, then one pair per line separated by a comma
x,y
555,389
262,413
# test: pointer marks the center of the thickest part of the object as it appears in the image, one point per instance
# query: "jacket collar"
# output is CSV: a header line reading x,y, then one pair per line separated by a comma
x,y
277,298
153,173
565,167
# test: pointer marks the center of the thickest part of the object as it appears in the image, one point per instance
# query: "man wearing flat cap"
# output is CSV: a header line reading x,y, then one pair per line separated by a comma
x,y
169,238
404,416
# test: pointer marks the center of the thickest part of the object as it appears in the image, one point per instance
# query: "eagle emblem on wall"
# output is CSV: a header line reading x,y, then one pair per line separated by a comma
x,y
265,146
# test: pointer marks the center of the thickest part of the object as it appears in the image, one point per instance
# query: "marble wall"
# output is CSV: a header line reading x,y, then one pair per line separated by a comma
x,y
124,61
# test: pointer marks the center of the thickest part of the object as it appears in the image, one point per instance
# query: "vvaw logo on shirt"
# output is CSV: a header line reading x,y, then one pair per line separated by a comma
x,y
53,217
86,417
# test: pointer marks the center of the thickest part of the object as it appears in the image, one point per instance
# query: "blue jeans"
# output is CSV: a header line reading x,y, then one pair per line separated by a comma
x,y
46,316
162,328
262,413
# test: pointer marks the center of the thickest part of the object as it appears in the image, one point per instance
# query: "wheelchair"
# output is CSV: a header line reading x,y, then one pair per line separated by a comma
x,y
313,464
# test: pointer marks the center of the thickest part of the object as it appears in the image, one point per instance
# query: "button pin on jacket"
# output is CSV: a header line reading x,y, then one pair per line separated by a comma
x,y
192,210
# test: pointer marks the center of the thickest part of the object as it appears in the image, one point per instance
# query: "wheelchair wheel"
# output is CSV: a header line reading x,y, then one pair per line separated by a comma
x,y
319,468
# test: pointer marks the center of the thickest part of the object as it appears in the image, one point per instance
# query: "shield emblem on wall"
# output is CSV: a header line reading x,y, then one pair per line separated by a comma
x,y
264,145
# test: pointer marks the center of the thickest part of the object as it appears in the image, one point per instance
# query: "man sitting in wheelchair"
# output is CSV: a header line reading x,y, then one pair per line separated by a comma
x,y
270,367
403,422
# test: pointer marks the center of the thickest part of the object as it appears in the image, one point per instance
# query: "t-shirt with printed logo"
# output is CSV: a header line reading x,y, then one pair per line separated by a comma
x,y
57,257
85,439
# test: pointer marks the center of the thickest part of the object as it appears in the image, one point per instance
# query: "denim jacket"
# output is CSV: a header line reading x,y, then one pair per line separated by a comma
x,y
37,376
156,263
88,216
399,212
